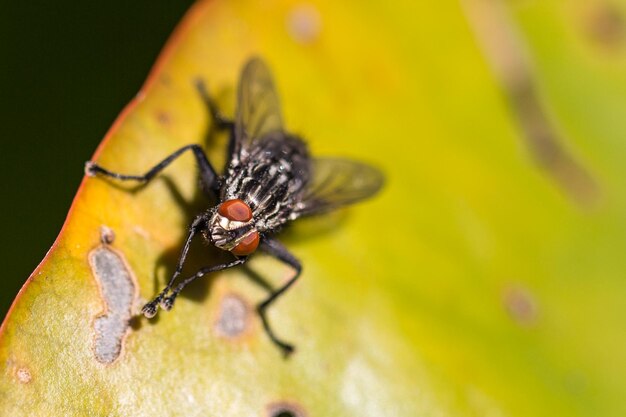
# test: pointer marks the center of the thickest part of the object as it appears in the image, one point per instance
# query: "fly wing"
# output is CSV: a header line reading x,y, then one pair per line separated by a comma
x,y
337,182
258,107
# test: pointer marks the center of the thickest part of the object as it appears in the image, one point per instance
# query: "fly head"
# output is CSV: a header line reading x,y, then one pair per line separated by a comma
x,y
231,227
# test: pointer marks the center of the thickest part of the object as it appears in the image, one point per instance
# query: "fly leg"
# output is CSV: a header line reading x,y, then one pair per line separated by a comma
x,y
221,122
168,302
276,249
150,309
208,176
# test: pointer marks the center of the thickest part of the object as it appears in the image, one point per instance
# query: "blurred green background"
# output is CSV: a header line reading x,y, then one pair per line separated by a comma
x,y
67,68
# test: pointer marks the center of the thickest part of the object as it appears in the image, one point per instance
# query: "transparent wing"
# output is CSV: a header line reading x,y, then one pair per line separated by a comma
x,y
258,108
337,182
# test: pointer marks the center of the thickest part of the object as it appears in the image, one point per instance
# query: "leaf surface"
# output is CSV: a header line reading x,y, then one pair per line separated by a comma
x,y
475,284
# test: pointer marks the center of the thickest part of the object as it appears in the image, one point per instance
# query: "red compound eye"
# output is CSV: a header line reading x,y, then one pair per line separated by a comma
x,y
247,245
235,210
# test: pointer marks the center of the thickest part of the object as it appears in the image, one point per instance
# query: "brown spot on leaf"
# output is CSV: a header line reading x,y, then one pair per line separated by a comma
x,y
606,25
234,316
164,118
107,235
521,305
504,50
285,409
165,79
544,144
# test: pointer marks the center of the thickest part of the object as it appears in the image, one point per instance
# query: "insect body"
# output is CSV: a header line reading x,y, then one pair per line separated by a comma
x,y
270,180
262,186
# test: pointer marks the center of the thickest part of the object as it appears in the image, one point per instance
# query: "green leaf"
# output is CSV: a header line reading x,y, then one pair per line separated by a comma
x,y
477,283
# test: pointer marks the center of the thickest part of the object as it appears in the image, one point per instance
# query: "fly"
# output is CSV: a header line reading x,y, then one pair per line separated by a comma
x,y
270,180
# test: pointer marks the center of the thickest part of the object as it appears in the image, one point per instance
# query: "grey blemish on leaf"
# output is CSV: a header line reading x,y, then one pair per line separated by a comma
x,y
234,316
118,290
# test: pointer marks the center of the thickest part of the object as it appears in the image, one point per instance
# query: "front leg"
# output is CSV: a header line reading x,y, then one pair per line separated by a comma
x,y
150,309
168,302
276,249
208,176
